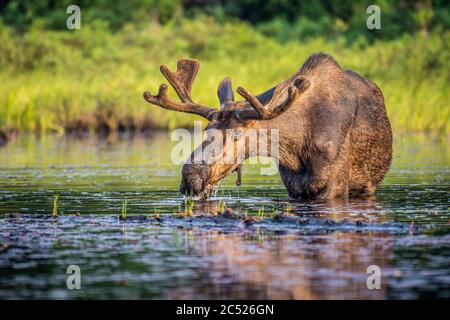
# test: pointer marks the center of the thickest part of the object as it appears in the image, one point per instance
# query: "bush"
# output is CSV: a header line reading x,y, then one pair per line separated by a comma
x,y
94,77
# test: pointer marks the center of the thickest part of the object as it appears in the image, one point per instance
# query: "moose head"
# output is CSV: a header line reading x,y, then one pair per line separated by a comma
x,y
234,119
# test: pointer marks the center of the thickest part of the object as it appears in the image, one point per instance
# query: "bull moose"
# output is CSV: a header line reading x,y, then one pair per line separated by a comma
x,y
335,139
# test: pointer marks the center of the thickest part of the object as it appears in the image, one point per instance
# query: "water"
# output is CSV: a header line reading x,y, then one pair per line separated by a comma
x,y
170,249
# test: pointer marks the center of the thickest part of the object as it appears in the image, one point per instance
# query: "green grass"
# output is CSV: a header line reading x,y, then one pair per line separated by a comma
x,y
92,78
124,210
222,206
55,206
189,204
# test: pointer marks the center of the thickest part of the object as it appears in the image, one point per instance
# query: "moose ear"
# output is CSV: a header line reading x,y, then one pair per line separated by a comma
x,y
265,97
225,92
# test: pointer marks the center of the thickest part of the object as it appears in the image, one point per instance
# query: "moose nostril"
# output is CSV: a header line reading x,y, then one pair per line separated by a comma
x,y
194,178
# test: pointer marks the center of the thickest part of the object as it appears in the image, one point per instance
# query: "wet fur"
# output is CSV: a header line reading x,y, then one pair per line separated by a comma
x,y
336,141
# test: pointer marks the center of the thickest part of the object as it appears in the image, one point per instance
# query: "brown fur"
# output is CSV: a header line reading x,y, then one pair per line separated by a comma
x,y
341,143
335,138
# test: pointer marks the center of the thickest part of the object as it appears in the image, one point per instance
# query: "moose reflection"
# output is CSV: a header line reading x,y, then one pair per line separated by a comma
x,y
259,264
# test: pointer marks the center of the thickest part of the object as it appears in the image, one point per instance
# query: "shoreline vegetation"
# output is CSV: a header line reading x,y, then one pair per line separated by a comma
x,y
91,80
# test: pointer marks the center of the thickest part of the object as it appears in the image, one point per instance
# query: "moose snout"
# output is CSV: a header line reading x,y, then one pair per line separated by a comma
x,y
194,178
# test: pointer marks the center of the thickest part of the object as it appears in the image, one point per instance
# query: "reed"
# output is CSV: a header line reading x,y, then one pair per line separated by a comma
x,y
124,209
55,206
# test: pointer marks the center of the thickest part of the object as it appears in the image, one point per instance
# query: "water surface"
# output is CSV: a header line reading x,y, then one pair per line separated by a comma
x,y
267,246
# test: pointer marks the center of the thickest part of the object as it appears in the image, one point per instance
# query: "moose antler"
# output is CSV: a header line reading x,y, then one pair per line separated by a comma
x,y
181,81
269,112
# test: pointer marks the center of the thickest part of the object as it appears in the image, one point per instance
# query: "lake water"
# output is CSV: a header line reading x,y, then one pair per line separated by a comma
x,y
268,247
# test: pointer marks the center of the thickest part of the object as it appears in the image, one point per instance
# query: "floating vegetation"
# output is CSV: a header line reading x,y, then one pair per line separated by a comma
x,y
228,213
249,220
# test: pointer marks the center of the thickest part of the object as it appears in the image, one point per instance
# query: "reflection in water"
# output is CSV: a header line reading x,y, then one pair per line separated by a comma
x,y
261,266
168,248
154,258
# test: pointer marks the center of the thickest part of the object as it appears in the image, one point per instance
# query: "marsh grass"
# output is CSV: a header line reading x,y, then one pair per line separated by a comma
x,y
261,213
55,206
124,210
188,206
93,79
222,206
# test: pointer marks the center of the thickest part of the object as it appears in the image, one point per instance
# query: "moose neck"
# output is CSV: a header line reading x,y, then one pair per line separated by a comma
x,y
291,141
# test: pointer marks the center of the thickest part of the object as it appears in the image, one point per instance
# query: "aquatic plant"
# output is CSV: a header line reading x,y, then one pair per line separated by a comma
x,y
187,208
190,206
261,213
55,206
222,206
124,209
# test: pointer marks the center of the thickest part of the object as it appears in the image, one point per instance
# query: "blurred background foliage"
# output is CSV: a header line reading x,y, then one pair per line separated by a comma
x,y
283,19
92,79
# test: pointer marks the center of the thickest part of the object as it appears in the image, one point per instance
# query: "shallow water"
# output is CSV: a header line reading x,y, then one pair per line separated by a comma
x,y
170,249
